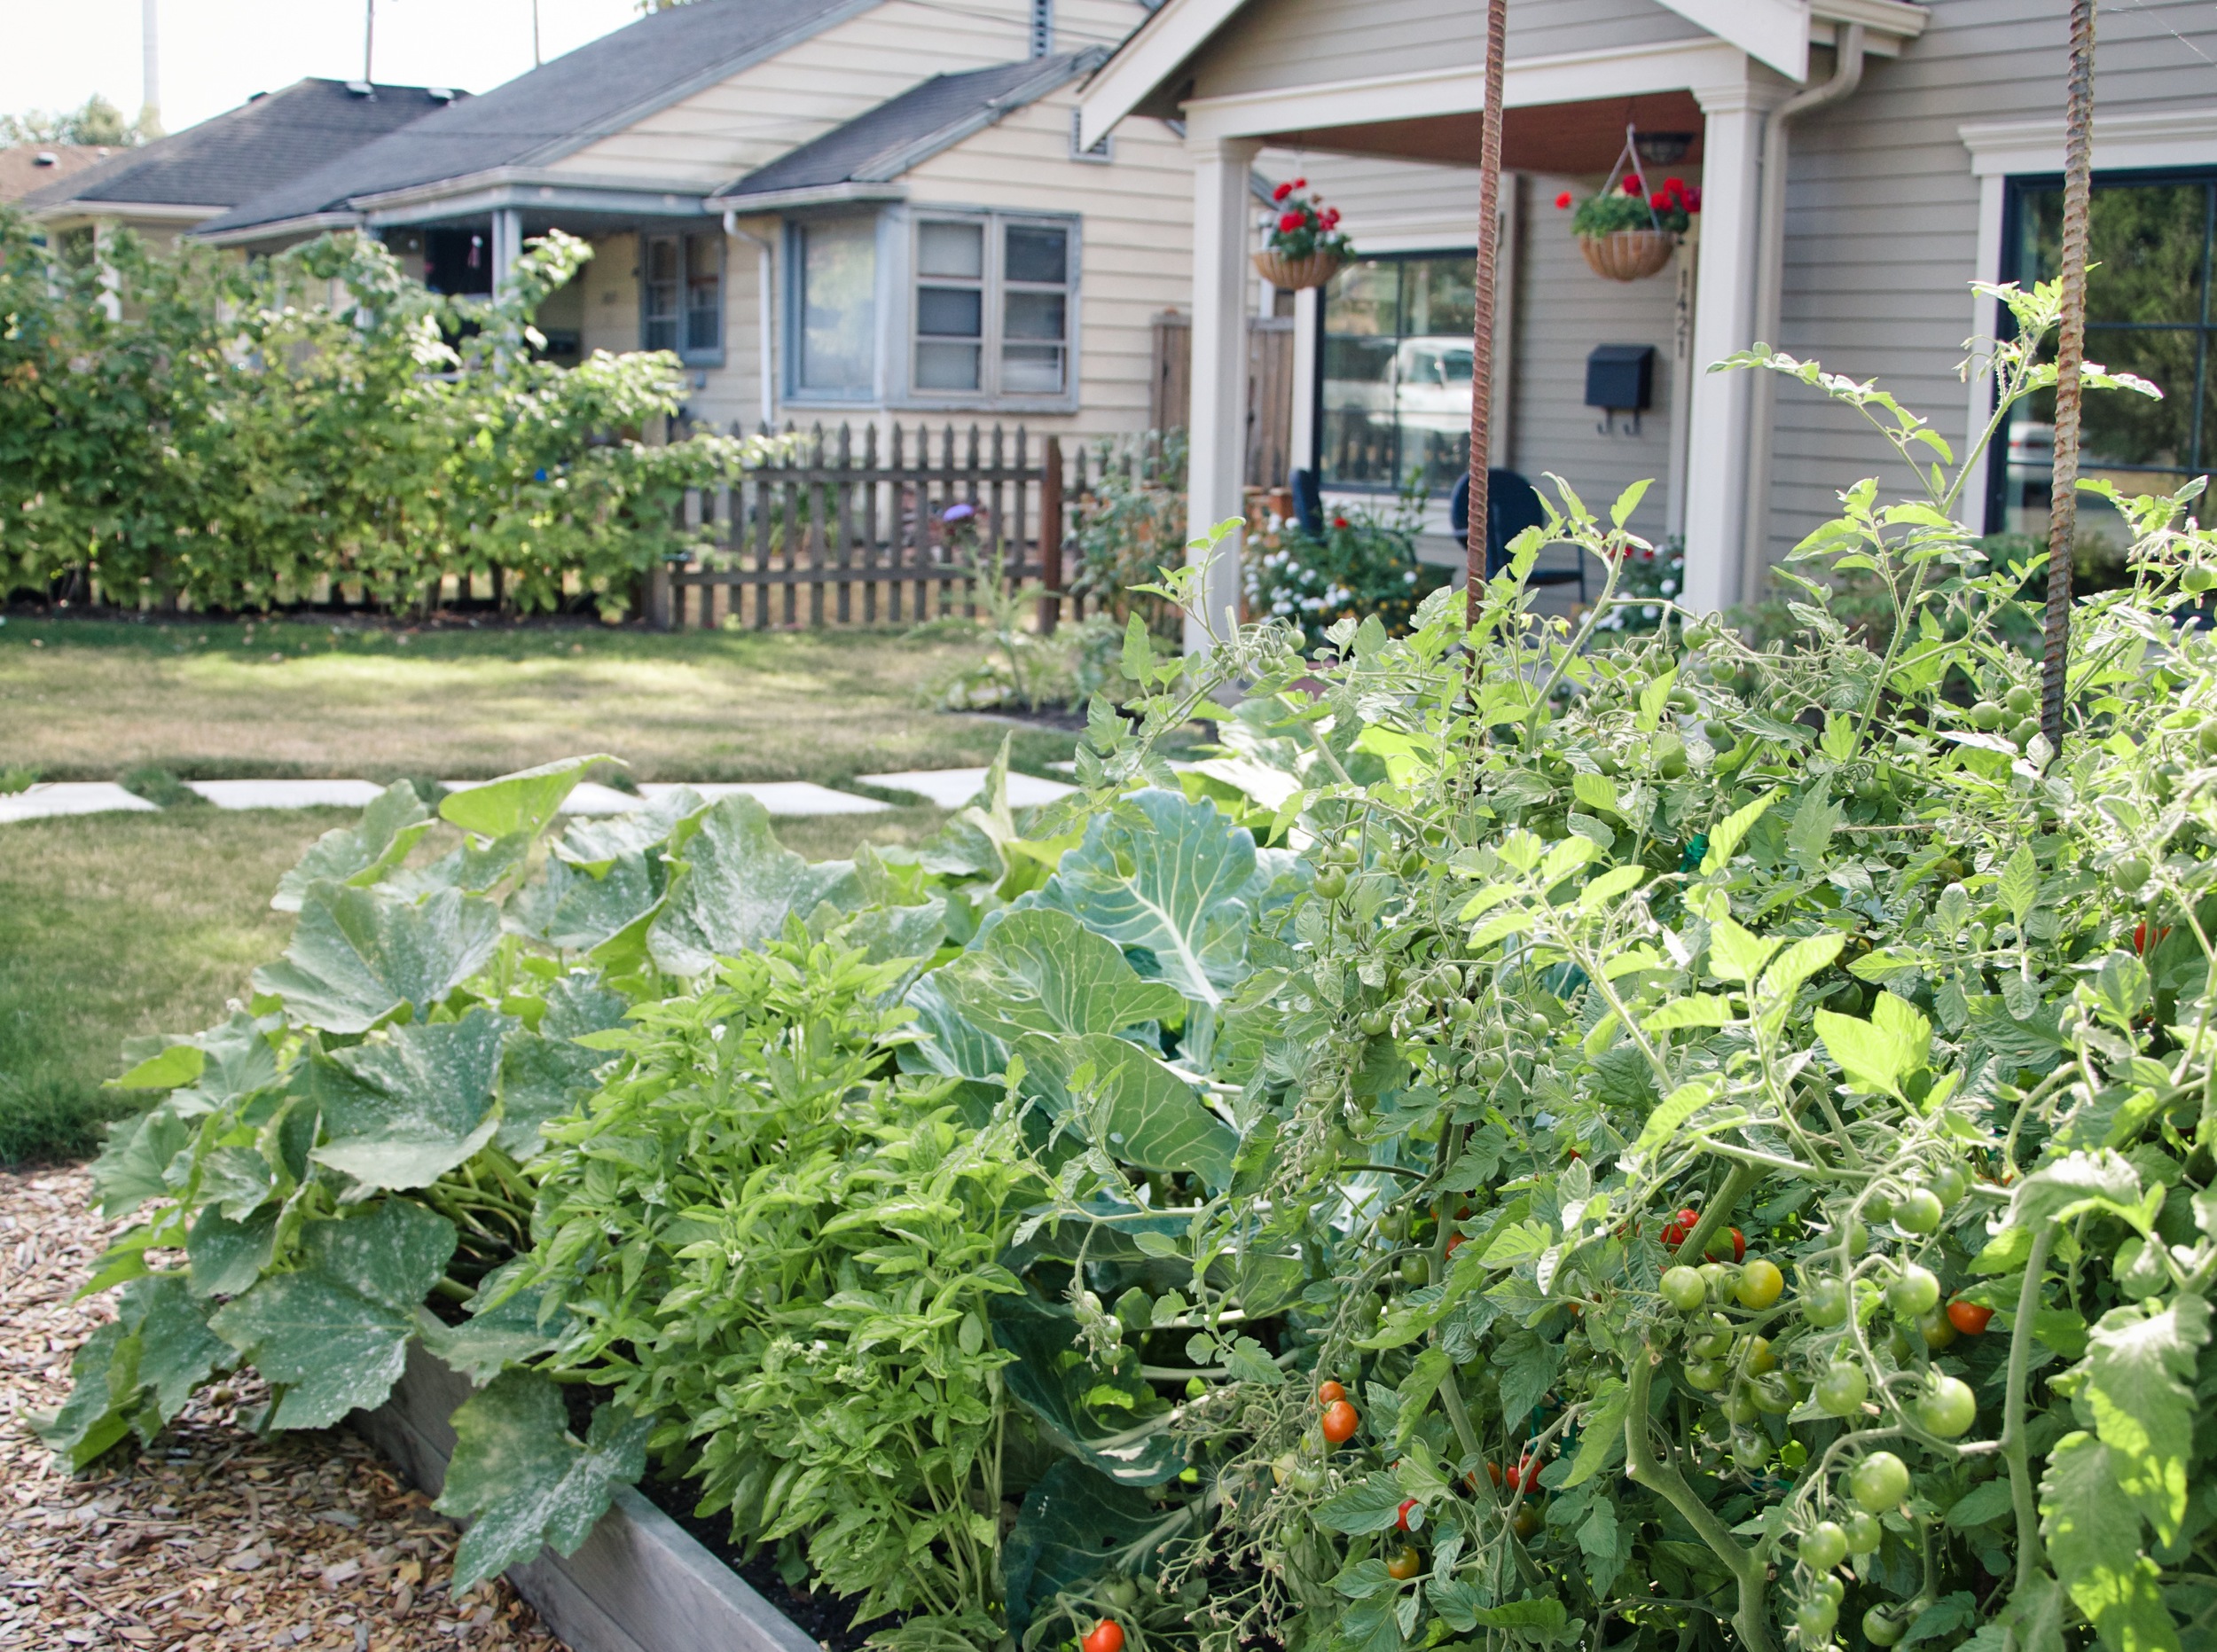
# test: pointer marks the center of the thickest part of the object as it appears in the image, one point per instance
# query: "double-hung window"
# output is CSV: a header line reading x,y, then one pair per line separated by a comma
x,y
994,307
834,310
2151,309
681,296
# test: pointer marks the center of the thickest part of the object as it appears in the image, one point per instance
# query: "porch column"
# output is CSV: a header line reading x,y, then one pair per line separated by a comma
x,y
1724,322
1216,422
508,245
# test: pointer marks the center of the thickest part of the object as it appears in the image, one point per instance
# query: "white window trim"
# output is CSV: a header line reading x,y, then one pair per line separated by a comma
x,y
902,312
2001,150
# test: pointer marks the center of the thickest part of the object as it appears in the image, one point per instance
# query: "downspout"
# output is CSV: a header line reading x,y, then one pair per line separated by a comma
x,y
763,308
1770,277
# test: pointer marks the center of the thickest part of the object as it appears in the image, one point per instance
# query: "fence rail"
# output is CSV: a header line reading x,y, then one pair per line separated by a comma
x,y
851,529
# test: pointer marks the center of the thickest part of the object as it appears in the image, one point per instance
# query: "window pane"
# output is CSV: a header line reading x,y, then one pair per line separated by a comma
x,y
951,249
2144,242
662,259
659,299
954,312
838,305
1358,445
1431,406
704,302
1397,372
1440,295
1034,316
941,366
1364,298
1036,253
1031,369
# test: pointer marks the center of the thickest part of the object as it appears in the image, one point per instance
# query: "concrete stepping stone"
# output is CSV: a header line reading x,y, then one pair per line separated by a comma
x,y
287,794
70,797
951,788
778,797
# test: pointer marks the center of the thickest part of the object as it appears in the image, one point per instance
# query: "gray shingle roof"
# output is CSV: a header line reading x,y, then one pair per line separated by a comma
x,y
883,143
602,87
245,151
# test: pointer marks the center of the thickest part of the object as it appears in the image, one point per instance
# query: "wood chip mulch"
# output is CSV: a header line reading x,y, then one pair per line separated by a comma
x,y
212,1537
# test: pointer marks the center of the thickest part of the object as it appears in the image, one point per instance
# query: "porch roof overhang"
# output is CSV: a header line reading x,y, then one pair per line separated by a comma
x,y
68,214
1151,70
573,199
763,202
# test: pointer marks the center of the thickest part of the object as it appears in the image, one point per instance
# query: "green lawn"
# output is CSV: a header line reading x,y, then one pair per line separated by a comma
x,y
113,926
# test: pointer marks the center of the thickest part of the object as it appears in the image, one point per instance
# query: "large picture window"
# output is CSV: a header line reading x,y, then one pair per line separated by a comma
x,y
681,296
1393,399
992,307
2150,312
834,306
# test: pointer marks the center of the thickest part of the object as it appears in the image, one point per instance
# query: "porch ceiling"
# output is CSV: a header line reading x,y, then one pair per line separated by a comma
x,y
1566,139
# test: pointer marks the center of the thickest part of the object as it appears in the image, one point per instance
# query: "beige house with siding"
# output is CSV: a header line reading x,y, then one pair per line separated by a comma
x,y
935,245
1862,163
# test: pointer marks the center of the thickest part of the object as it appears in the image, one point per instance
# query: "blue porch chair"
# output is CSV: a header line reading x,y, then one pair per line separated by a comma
x,y
1512,505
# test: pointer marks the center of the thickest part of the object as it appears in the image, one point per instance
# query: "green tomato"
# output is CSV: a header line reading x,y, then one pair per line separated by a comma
x,y
1936,1328
1842,1389
1416,1270
1879,1206
1714,1341
1915,1290
1756,1355
2206,737
1947,1407
1120,1593
1947,1184
2022,734
1682,698
1671,761
1684,1289
1814,1618
2020,702
1717,1276
1864,1532
1823,1545
1878,1483
1774,1393
1306,1477
1919,1211
1883,1625
1986,716
1331,883
2130,875
1708,1375
1824,1304
1749,1450
1760,1283
1739,1405
1374,1021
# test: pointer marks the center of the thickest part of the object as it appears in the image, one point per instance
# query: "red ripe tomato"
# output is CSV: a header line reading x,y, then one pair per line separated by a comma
x,y
1970,1318
1528,1474
1401,1517
1106,1636
1681,1227
1340,1421
1717,1245
1493,1473
1453,1240
1327,1392
2142,940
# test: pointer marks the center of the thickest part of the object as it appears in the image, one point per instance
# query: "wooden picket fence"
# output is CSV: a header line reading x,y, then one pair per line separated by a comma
x,y
845,530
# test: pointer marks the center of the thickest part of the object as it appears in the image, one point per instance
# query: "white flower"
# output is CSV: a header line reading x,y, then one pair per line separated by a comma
x,y
1670,587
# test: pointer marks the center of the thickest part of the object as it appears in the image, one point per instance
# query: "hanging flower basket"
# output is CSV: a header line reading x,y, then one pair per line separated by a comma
x,y
1628,254
1306,247
1628,232
1293,274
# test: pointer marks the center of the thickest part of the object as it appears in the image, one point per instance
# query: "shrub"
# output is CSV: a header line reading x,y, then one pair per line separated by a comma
x,y
1361,565
1131,526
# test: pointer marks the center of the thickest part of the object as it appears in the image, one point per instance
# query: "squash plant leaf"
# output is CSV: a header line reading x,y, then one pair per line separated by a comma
x,y
1052,1380
575,909
129,1170
136,1372
362,853
403,1111
1045,972
521,1480
736,887
335,1333
359,956
594,844
494,1338
1170,882
523,801
1072,1527
544,1073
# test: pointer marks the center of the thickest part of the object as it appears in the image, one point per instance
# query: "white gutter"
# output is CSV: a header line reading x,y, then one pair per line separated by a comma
x,y
1770,275
763,308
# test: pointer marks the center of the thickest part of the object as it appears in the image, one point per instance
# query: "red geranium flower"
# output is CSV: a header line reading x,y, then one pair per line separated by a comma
x,y
1339,521
1331,217
1659,201
1631,186
1282,191
1301,183
1291,221
1677,186
1692,200
1563,201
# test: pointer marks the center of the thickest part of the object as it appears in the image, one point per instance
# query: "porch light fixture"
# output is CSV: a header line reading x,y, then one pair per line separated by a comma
x,y
1662,149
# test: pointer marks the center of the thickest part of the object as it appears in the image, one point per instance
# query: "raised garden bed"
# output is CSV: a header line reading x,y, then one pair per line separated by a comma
x,y
638,1584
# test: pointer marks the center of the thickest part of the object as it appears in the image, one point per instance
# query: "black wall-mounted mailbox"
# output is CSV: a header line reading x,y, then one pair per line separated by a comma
x,y
1620,377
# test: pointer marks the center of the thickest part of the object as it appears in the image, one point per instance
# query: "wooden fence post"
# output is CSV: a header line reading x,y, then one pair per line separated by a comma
x,y
1051,536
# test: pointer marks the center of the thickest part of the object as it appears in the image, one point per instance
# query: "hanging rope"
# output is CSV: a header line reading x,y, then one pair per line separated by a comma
x,y
1628,160
1482,316
2062,498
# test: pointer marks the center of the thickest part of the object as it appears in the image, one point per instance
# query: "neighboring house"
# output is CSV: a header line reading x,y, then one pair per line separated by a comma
x,y
28,166
176,183
1911,148
831,210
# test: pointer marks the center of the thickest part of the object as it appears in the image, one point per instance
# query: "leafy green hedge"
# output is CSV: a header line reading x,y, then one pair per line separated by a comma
x,y
186,428
1679,1147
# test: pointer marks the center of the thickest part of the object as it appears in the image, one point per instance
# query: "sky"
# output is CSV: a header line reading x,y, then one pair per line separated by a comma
x,y
217,53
